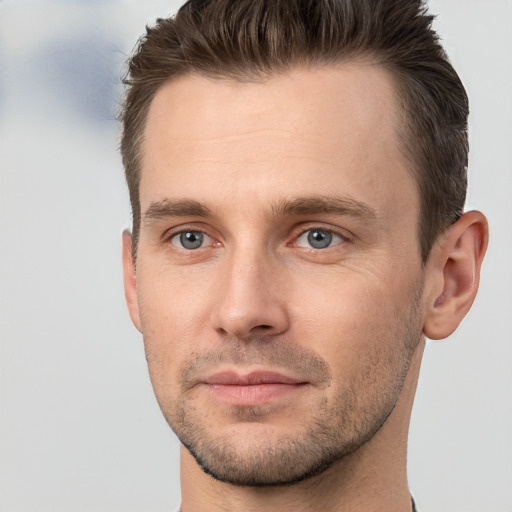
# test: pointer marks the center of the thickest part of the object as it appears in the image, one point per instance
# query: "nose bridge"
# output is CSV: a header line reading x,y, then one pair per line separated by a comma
x,y
250,302
248,265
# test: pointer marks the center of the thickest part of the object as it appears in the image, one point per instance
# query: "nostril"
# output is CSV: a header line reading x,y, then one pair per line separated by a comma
x,y
266,327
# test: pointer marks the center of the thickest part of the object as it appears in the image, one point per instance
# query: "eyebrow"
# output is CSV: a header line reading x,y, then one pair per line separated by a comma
x,y
335,205
166,208
309,205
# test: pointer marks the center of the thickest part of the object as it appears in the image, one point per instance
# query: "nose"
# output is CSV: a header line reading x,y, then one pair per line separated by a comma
x,y
251,299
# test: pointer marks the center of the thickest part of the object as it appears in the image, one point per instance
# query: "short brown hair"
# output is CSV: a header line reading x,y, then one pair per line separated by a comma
x,y
253,39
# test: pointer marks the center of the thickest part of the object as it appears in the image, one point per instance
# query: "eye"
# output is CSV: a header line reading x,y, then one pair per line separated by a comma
x,y
190,240
318,239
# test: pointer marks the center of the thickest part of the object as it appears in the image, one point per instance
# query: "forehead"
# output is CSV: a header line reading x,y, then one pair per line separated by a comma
x,y
320,128
343,102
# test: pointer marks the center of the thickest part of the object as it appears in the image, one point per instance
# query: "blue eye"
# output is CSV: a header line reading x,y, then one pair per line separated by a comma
x,y
189,239
318,239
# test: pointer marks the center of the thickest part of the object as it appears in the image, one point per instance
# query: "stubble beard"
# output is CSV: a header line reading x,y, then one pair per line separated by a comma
x,y
335,428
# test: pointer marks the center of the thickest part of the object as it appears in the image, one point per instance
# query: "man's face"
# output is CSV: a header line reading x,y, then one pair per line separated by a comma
x,y
278,269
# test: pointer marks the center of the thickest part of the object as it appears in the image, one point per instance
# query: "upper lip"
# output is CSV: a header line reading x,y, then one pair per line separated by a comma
x,y
233,378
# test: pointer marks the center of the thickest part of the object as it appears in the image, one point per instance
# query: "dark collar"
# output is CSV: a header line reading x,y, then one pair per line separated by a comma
x,y
412,503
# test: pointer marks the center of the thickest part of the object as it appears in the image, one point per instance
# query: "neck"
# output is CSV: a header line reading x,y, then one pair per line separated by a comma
x,y
372,478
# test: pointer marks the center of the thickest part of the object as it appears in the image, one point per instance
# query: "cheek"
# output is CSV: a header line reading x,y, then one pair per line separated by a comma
x,y
175,319
339,303
174,304
354,322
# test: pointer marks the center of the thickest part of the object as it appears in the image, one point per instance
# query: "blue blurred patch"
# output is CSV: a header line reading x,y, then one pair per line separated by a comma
x,y
81,73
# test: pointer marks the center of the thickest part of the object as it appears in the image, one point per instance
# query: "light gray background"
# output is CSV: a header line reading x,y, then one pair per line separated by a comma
x,y
79,426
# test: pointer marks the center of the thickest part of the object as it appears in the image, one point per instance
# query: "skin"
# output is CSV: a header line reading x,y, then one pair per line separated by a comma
x,y
255,168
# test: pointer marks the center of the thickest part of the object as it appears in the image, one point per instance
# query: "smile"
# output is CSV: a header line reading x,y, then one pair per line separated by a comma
x,y
253,389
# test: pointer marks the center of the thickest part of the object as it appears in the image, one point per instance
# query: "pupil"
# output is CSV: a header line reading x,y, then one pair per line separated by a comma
x,y
191,239
319,239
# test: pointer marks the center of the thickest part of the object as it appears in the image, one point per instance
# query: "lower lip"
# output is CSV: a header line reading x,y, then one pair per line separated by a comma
x,y
252,395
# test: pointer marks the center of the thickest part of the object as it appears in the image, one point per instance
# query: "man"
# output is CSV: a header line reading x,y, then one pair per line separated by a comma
x,y
297,177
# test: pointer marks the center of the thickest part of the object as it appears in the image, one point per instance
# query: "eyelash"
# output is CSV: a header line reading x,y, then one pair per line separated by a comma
x,y
169,236
315,227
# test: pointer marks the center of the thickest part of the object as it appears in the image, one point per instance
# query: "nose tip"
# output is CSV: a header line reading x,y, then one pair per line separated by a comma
x,y
244,328
251,304
243,323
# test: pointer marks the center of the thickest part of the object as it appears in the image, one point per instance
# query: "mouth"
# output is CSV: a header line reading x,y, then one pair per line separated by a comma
x,y
251,389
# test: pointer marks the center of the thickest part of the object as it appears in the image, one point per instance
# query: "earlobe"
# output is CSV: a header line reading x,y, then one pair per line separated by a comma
x,y
453,274
130,281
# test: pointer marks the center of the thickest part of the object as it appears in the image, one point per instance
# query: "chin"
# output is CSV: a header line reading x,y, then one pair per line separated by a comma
x,y
256,453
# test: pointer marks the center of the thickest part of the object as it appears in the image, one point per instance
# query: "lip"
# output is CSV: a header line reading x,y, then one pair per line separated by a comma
x,y
251,389
232,378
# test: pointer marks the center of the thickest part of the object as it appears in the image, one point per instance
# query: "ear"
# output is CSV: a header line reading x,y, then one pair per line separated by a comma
x,y
130,281
453,274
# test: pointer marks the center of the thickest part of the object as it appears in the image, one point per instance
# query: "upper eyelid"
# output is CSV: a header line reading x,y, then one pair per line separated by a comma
x,y
208,242
336,246
300,230
296,231
170,233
